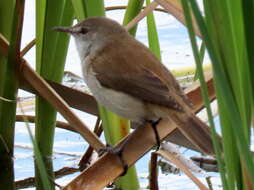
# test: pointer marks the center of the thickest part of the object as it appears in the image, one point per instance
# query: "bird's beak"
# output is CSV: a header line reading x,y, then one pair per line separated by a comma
x,y
69,30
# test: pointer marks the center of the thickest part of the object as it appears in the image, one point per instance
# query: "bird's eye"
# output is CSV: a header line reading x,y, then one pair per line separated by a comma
x,y
83,30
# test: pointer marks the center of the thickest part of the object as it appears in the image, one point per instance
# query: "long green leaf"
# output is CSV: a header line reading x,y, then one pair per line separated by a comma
x,y
225,49
38,157
133,8
228,89
233,58
88,8
6,11
51,49
153,38
8,90
79,9
94,8
204,90
248,16
202,55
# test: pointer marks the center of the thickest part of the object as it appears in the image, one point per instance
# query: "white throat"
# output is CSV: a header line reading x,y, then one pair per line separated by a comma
x,y
82,47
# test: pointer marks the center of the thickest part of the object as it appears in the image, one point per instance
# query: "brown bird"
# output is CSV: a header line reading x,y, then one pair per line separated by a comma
x,y
128,79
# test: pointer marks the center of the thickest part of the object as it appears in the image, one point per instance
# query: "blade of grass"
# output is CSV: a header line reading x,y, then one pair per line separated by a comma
x,y
94,8
204,90
38,157
141,15
8,90
51,48
226,94
6,11
234,58
224,45
88,8
153,38
79,9
202,55
133,8
248,16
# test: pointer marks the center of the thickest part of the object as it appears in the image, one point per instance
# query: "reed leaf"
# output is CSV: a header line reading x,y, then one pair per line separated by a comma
x,y
248,16
37,154
79,9
204,90
153,39
94,8
51,49
84,9
8,90
133,8
39,161
226,46
202,55
6,11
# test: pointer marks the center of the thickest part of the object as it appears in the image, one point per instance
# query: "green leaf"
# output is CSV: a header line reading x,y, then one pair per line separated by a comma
x,y
88,8
51,50
153,38
133,8
204,90
38,158
226,46
8,88
202,55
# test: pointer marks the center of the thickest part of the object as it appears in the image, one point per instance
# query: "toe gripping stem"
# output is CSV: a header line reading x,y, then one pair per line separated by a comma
x,y
124,164
154,124
119,153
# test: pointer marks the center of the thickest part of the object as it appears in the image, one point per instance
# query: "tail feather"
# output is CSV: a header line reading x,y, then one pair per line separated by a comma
x,y
195,130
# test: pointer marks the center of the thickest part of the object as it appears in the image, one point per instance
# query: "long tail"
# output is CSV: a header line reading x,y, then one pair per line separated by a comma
x,y
195,130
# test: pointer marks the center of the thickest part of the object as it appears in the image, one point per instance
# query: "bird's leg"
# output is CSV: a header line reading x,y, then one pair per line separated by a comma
x,y
119,149
116,151
154,124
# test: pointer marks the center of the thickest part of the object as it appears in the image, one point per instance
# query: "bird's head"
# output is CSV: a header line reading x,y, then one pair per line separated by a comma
x,y
93,32
93,29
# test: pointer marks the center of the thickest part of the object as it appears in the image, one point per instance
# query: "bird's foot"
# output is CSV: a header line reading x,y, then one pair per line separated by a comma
x,y
154,124
116,151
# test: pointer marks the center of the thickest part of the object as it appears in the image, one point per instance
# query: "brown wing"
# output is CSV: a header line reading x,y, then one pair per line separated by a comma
x,y
146,81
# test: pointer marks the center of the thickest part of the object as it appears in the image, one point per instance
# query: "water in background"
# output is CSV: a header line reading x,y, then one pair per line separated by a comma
x,y
176,52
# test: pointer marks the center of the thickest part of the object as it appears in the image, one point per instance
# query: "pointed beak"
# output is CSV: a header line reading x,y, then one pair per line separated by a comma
x,y
69,30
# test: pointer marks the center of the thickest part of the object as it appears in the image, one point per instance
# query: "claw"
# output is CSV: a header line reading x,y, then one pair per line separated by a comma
x,y
118,152
154,124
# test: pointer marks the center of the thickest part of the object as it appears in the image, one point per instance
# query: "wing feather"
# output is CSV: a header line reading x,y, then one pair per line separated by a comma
x,y
147,81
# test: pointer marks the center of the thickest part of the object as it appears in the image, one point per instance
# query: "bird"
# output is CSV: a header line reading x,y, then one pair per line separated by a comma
x,y
128,79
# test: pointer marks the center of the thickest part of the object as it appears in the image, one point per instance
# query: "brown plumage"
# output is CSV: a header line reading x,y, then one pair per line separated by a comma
x,y
128,79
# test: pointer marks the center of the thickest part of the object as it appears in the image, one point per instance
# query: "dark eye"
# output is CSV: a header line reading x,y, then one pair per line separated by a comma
x,y
83,30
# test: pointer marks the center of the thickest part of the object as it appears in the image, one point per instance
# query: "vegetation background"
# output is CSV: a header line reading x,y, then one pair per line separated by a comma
x,y
230,49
